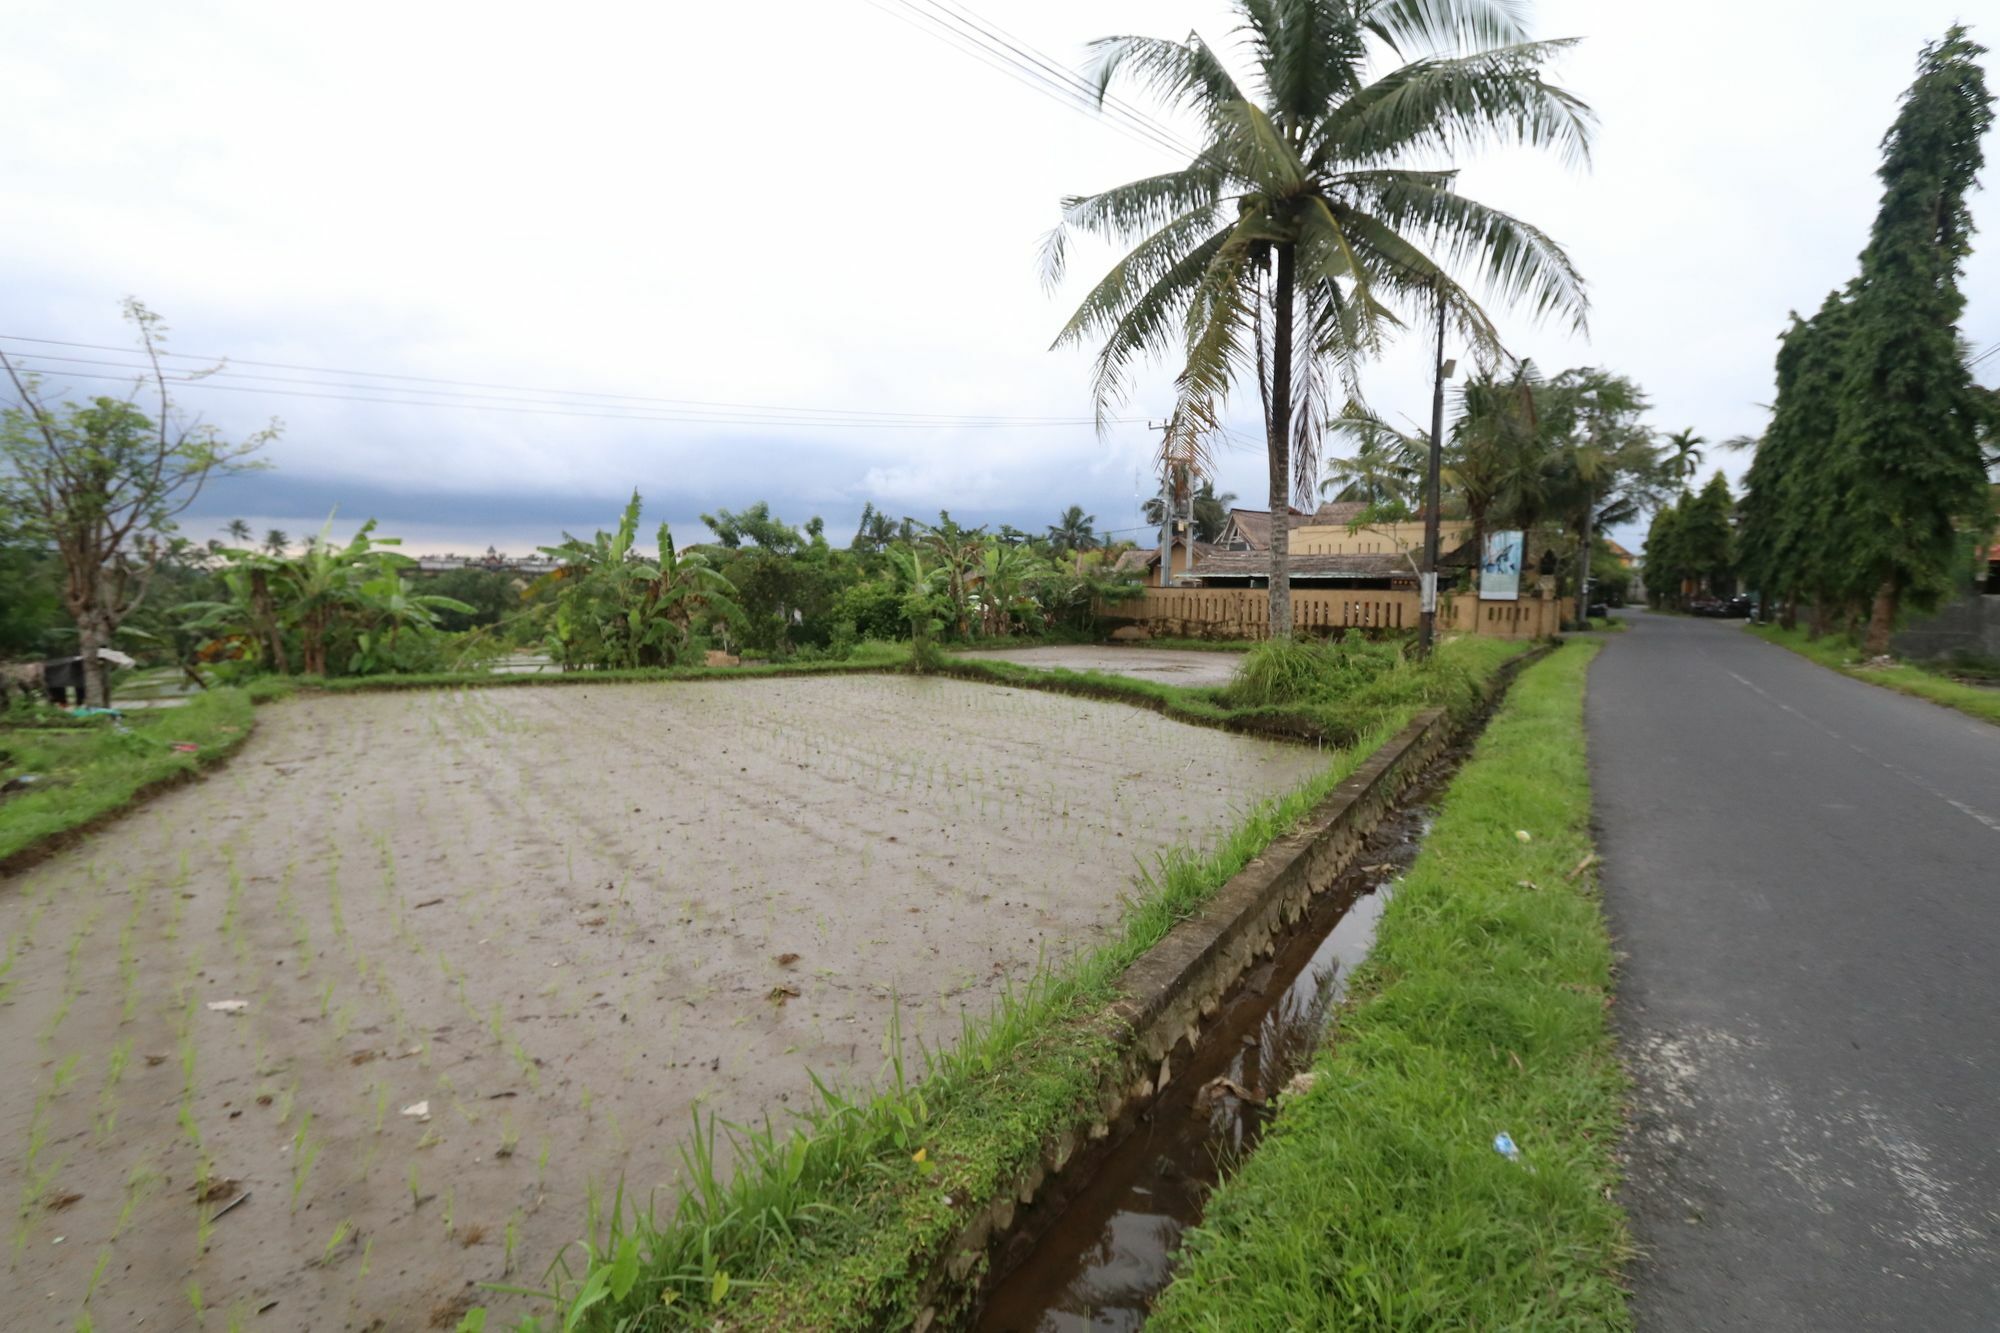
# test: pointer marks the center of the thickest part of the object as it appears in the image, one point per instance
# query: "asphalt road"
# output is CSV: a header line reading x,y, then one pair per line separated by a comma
x,y
1803,875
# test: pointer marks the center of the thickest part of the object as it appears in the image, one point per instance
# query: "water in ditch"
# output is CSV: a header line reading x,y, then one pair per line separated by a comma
x,y
1094,1257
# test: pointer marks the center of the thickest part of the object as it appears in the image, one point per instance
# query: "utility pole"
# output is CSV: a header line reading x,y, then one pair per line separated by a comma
x,y
1166,500
1428,576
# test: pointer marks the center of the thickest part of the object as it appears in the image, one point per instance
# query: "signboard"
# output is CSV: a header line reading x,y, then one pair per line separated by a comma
x,y
1500,567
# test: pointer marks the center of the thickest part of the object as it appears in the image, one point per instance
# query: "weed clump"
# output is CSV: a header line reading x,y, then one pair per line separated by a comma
x,y
1285,672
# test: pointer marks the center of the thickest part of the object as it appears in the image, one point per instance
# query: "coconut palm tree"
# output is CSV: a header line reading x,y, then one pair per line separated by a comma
x,y
1074,531
1283,249
237,531
275,541
1387,465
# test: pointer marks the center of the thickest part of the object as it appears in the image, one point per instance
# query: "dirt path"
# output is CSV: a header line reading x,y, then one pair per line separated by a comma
x,y
565,920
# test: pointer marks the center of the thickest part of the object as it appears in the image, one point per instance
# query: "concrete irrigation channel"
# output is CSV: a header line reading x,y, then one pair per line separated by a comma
x,y
1224,1011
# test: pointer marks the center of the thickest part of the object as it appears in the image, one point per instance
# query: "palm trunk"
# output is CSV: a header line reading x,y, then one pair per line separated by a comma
x,y
1882,619
1279,446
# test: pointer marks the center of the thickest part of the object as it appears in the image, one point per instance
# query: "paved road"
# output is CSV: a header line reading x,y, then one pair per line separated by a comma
x,y
1803,872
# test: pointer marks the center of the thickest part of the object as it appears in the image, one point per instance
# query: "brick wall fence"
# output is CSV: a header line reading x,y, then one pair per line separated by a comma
x,y
1244,613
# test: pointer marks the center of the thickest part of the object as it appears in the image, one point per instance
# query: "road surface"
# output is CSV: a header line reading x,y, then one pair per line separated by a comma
x,y
1803,875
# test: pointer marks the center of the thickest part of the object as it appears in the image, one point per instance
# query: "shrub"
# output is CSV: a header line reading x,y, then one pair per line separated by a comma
x,y
1286,672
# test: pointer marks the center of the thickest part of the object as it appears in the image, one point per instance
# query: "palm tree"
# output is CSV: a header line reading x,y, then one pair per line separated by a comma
x,y
1684,454
1280,250
1497,460
1074,530
276,540
237,531
1387,464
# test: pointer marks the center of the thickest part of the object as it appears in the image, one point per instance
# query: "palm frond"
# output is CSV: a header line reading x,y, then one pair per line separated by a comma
x,y
1449,105
1445,25
1516,263
1144,326
1182,74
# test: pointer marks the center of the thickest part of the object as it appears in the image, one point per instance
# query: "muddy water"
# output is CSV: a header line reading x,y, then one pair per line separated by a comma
x,y
1095,1258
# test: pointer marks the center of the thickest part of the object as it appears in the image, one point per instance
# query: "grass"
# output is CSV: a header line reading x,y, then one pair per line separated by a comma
x,y
93,771
837,1223
1357,702
1840,653
1378,1200
870,656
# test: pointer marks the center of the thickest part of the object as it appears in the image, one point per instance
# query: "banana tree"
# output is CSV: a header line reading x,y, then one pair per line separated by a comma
x,y
613,609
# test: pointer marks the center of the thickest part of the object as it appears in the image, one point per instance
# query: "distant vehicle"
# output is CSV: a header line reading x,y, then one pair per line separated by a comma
x,y
1599,611
1733,608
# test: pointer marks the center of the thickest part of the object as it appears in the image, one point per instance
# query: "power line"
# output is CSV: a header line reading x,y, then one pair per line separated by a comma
x,y
1074,84
571,410
966,35
414,384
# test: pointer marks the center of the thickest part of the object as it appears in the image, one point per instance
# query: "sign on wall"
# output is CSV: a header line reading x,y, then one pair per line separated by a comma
x,y
1500,567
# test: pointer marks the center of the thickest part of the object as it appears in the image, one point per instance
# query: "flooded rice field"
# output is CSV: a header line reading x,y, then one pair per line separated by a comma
x,y
330,1038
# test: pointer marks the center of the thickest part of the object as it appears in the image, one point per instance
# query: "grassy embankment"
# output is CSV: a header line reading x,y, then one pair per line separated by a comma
x,y
837,1222
1378,1200
1832,650
90,771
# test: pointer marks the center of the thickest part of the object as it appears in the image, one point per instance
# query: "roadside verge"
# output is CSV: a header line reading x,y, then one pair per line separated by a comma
x,y
1833,651
1378,1198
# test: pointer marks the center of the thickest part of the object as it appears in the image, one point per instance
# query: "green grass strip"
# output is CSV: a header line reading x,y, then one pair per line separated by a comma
x,y
95,772
1377,1201
1833,650
837,1222
1342,721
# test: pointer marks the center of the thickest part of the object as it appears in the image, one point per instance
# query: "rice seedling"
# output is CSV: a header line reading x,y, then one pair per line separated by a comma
x,y
140,1183
341,1231
193,1291
450,1208
510,1137
415,1183
305,1152
188,1125
513,1243
367,1257
107,1097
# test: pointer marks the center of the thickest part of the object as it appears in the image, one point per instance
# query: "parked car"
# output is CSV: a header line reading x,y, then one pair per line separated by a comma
x,y
1730,608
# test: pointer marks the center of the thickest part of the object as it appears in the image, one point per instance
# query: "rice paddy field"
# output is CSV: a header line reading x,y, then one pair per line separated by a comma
x,y
363,1021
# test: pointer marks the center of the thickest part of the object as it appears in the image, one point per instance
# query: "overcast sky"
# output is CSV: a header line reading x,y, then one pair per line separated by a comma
x,y
810,205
